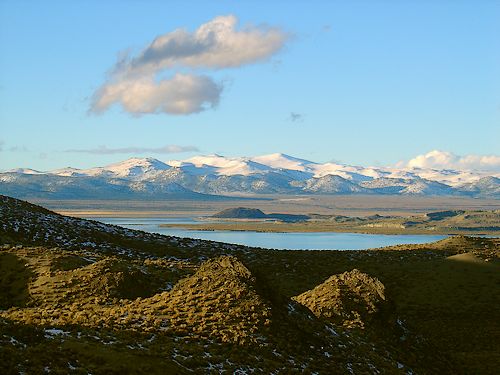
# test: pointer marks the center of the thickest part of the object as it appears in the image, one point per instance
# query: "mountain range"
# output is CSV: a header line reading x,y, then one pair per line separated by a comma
x,y
203,177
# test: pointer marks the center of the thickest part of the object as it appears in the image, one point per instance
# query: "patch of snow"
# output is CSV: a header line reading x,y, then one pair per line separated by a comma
x,y
331,330
50,333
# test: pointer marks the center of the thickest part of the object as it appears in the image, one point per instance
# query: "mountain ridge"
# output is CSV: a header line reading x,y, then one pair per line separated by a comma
x,y
267,174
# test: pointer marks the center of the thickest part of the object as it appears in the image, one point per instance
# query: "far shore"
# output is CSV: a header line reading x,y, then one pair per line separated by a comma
x,y
127,214
313,227
348,205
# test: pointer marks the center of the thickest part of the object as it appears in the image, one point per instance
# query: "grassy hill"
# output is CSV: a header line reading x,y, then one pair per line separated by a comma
x,y
78,296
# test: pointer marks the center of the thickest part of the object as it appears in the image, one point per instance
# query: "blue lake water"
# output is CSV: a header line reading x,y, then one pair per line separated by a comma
x,y
291,241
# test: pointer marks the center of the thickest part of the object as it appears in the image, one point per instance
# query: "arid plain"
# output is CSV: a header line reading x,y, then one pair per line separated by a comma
x,y
323,205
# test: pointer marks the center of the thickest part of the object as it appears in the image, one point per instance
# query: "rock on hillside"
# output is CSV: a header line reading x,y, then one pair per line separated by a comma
x,y
349,299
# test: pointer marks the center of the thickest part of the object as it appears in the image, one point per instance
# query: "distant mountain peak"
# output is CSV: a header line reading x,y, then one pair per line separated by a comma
x,y
138,161
281,156
24,171
266,174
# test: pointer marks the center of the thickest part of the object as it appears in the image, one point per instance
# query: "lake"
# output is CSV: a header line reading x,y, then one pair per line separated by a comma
x,y
291,241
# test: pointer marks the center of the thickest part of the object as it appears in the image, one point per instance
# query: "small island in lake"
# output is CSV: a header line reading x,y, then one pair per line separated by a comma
x,y
256,214
450,222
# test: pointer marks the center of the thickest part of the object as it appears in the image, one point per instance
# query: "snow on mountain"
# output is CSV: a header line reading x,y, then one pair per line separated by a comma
x,y
266,174
425,187
295,168
136,167
26,186
24,171
283,161
68,172
330,184
312,169
130,168
448,176
347,172
407,186
216,164
484,187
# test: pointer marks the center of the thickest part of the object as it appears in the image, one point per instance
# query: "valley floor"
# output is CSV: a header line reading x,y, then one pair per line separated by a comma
x,y
348,205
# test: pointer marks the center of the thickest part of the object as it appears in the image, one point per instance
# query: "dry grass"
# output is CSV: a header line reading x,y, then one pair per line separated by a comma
x,y
171,305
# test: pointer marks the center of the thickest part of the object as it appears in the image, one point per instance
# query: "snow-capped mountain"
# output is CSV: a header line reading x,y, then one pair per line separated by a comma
x,y
408,186
486,186
267,174
220,165
130,168
332,184
25,171
285,162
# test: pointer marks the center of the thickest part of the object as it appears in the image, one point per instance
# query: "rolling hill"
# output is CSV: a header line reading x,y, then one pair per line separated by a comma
x,y
79,296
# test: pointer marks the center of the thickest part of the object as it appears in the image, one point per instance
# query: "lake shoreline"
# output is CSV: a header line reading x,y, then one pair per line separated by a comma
x,y
267,240
300,228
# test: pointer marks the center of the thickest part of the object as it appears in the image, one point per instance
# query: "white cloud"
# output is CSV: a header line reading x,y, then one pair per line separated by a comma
x,y
182,94
168,149
217,44
446,160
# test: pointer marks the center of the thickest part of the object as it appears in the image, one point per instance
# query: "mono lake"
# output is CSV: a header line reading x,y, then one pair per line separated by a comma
x,y
291,241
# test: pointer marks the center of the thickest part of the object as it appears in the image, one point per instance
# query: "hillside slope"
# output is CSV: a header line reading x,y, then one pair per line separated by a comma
x,y
82,297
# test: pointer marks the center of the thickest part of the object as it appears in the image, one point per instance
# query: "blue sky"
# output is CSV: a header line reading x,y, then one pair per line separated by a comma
x,y
362,82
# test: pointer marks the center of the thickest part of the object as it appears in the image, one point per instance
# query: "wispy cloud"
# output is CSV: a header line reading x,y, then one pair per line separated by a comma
x,y
448,160
326,28
217,44
104,150
12,148
296,117
18,149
